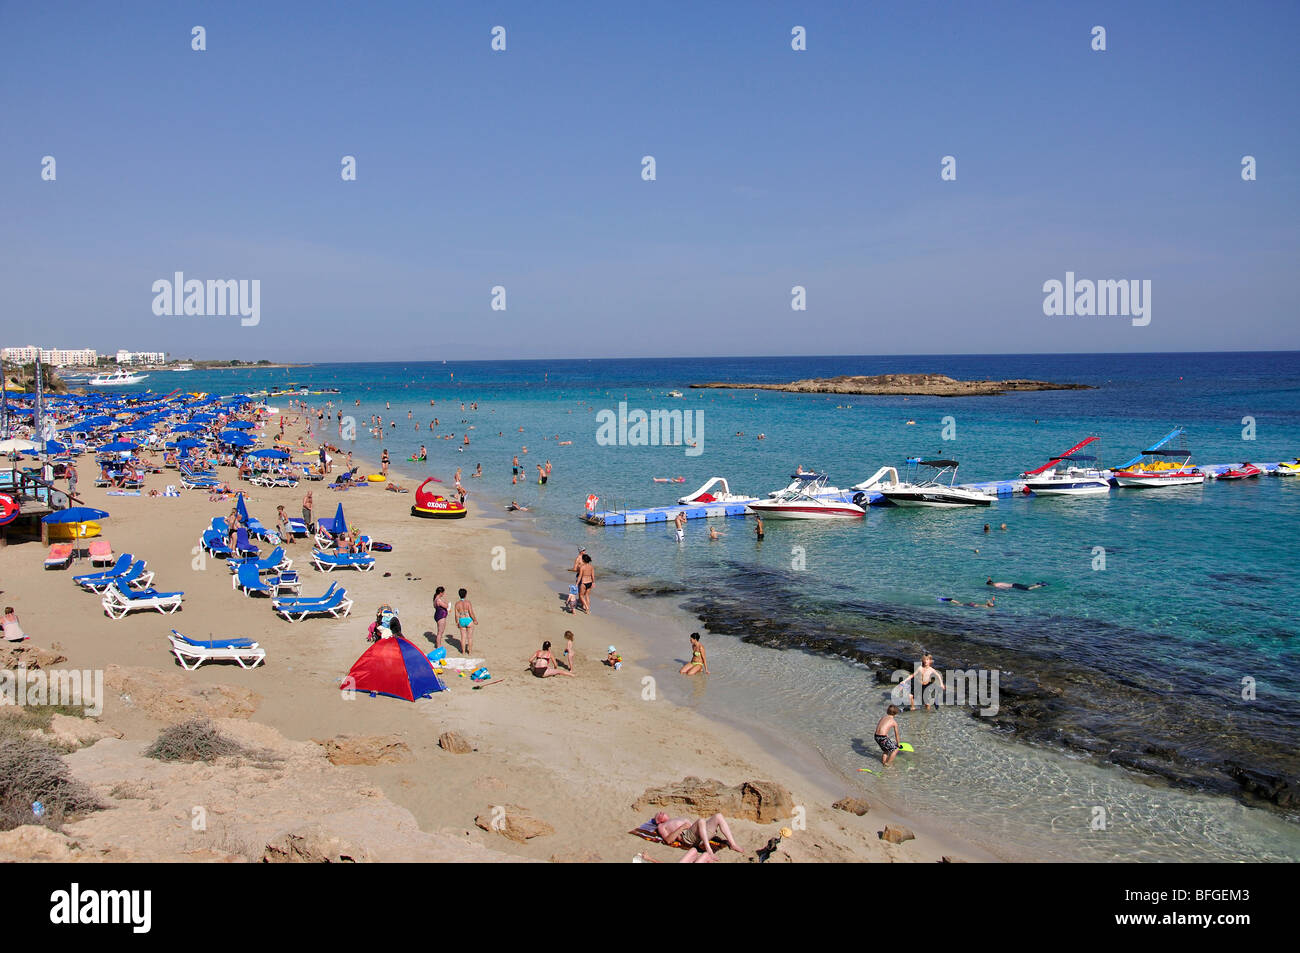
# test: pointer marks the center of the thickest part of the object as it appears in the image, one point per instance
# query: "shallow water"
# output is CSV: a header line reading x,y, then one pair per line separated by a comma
x,y
1149,653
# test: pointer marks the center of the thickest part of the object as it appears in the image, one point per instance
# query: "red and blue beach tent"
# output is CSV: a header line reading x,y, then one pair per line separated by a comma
x,y
394,666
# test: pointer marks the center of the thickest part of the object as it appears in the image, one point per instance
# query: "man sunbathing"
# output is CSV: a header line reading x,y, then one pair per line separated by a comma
x,y
694,834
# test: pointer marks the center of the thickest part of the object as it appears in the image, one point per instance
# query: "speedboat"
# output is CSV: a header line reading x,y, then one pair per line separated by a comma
x,y
932,491
1070,480
1070,474
1240,471
715,491
808,498
1157,467
116,379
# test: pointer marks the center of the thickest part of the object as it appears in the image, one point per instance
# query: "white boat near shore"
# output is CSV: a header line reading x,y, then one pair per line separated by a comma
x,y
118,378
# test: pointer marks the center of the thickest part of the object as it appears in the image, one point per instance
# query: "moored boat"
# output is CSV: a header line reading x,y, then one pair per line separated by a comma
x,y
808,498
932,491
1159,467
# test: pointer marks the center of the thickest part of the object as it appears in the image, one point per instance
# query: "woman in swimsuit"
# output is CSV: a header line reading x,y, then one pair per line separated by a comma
x,y
440,607
465,621
698,663
542,664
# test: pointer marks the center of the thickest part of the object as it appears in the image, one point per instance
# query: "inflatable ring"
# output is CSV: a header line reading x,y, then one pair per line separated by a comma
x,y
376,478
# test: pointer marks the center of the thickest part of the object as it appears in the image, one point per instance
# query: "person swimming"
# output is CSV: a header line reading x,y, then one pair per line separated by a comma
x,y
1014,585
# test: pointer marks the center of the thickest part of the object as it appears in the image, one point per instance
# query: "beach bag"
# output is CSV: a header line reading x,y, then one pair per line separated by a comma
x,y
480,674
438,654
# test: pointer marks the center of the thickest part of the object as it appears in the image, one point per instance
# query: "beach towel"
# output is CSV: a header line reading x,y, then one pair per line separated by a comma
x,y
650,831
123,493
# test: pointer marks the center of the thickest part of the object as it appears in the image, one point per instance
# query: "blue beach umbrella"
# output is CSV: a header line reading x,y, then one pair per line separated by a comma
x,y
75,514
269,453
241,508
187,443
119,446
340,524
242,424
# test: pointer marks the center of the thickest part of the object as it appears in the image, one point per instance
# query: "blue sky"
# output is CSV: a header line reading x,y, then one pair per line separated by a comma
x,y
523,169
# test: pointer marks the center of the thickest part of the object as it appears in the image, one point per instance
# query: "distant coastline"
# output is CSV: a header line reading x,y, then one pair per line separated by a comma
x,y
930,385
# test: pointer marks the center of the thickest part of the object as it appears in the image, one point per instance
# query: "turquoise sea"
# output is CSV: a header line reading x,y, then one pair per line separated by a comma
x,y
1122,683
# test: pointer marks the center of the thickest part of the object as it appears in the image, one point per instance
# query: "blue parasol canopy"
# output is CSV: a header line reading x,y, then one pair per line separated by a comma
x,y
75,514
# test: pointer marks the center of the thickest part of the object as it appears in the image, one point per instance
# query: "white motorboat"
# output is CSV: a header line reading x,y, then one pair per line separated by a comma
x,y
1157,467
716,491
1070,474
181,368
1070,481
116,379
932,491
808,498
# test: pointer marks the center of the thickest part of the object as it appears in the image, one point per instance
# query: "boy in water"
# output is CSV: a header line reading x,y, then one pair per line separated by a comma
x,y
925,676
888,746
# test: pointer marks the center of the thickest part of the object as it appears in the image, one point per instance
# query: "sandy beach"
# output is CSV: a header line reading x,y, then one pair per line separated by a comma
x,y
567,758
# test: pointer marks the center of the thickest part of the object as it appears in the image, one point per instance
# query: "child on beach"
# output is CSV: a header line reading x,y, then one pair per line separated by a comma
x,y
888,746
568,650
613,659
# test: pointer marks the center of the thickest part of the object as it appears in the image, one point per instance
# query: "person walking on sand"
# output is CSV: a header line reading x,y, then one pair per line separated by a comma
x,y
888,746
70,471
383,462
306,512
465,621
586,579
680,522
568,650
921,680
699,661
282,525
440,607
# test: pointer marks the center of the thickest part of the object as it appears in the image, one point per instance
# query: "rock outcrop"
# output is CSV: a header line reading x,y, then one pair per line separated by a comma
x,y
762,801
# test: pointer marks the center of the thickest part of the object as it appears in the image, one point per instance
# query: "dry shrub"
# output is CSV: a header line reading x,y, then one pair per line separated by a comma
x,y
31,771
198,740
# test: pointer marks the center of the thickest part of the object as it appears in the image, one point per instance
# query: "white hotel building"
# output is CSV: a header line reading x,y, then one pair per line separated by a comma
x,y
56,357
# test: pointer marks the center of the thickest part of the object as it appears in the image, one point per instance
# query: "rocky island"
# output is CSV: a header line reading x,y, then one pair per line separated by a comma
x,y
930,385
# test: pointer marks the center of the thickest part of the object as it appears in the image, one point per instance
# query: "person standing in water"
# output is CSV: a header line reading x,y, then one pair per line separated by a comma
x,y
922,678
680,523
889,747
758,528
